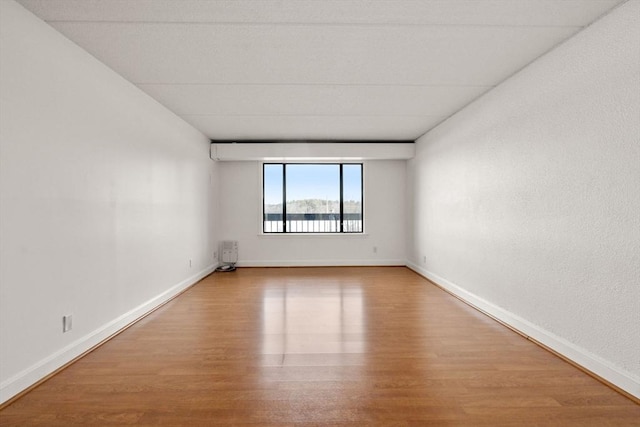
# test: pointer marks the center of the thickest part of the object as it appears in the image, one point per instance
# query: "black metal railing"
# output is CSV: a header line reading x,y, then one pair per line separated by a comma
x,y
313,223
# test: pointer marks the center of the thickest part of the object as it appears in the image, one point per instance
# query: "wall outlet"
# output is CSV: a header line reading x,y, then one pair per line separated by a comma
x,y
67,323
375,249
215,255
189,263
424,259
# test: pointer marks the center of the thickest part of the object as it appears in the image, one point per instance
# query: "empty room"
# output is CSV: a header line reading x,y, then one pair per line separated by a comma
x,y
338,213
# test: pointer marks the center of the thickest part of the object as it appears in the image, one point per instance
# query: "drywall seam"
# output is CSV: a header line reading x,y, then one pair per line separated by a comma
x,y
590,362
31,375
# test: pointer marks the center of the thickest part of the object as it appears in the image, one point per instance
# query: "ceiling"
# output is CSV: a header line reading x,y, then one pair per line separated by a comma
x,y
317,70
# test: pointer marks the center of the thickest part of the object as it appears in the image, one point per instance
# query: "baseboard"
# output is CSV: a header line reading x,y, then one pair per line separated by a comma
x,y
325,263
45,367
625,381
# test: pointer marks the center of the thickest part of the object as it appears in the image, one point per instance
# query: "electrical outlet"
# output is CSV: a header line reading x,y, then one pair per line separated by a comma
x,y
67,323
215,255
424,259
189,263
375,249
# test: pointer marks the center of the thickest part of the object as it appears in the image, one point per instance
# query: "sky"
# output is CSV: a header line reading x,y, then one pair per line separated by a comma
x,y
311,181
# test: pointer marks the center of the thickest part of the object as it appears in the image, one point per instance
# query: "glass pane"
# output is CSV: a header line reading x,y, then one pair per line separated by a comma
x,y
313,198
273,209
352,198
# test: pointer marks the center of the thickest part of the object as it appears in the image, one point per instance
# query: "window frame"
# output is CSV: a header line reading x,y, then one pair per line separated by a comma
x,y
341,201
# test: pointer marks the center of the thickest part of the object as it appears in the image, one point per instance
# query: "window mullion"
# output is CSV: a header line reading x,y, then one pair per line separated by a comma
x,y
341,201
284,198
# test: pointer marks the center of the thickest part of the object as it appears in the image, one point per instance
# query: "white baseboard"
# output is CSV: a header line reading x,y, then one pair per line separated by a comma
x,y
324,263
31,375
600,367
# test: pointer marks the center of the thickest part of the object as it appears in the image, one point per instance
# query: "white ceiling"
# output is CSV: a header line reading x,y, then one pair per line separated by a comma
x,y
317,69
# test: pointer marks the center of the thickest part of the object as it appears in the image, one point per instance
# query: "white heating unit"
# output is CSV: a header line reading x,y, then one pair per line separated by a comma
x,y
229,251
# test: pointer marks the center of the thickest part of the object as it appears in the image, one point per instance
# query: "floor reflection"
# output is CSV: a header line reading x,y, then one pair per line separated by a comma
x,y
309,325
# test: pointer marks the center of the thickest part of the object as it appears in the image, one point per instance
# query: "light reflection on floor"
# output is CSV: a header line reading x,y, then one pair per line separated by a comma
x,y
313,326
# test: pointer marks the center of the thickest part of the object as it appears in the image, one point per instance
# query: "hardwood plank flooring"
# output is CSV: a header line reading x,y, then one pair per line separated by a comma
x,y
320,346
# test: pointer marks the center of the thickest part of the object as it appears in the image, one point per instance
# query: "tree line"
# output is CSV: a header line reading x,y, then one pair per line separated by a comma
x,y
315,206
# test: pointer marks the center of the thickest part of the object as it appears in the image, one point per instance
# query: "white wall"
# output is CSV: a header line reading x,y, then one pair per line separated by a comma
x,y
105,197
384,209
527,202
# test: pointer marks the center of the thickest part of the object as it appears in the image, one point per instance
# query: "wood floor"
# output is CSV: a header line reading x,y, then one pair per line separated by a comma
x,y
320,346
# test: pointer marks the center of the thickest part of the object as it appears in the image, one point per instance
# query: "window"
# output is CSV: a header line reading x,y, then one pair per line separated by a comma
x,y
312,198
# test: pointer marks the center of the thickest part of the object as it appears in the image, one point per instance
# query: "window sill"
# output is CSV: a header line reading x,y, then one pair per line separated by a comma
x,y
322,235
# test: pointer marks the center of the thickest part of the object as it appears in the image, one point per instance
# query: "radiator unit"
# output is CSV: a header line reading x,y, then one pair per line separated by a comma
x,y
229,251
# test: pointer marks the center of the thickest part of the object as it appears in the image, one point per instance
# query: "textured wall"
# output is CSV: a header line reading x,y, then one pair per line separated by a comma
x,y
106,196
529,198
